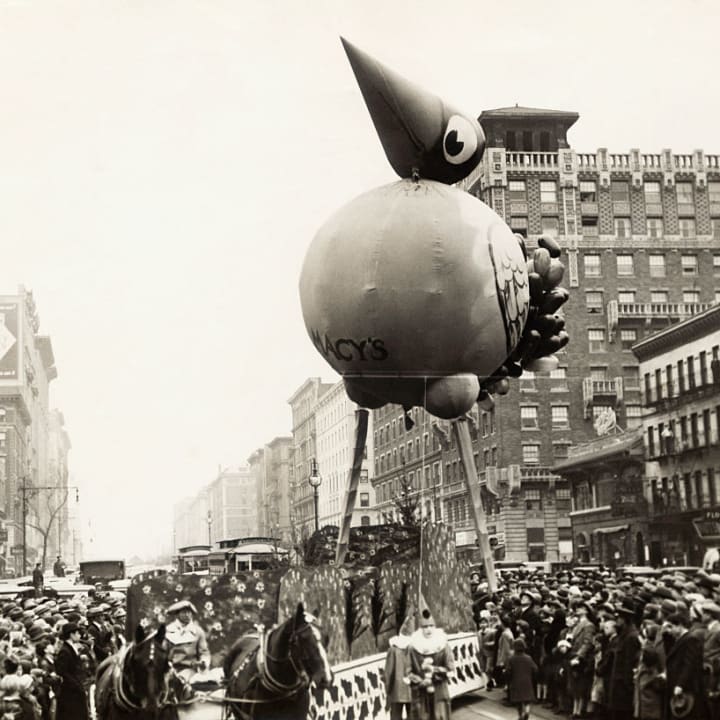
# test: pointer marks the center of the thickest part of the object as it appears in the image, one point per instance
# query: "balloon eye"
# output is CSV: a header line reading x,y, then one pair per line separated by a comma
x,y
460,141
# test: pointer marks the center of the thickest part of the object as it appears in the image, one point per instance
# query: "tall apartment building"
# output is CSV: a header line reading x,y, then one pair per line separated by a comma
x,y
641,245
27,367
304,449
680,371
335,426
271,468
224,509
59,445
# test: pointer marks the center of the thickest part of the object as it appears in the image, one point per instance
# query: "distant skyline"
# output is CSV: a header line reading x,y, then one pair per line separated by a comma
x,y
164,166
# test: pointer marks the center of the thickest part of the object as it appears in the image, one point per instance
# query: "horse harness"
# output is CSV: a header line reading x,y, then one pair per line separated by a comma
x,y
118,692
263,675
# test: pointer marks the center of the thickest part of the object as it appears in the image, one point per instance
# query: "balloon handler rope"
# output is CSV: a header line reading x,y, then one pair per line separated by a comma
x,y
462,435
361,428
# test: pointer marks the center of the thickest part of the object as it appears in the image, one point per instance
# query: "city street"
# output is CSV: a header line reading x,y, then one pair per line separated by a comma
x,y
490,706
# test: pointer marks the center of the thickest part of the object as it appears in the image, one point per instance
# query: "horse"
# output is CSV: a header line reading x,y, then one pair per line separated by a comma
x,y
268,676
134,682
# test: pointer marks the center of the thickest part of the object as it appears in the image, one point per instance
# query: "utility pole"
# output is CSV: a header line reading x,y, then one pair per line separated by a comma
x,y
25,489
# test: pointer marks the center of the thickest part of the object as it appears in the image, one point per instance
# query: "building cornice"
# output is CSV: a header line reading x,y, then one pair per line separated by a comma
x,y
675,336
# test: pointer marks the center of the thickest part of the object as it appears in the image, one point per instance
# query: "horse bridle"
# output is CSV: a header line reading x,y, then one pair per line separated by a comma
x,y
266,678
124,701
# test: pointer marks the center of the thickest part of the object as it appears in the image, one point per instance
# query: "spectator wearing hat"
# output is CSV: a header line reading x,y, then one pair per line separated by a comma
x,y
684,673
548,666
100,634
625,659
530,615
504,649
649,686
38,580
522,672
430,662
72,699
190,652
397,691
17,699
581,659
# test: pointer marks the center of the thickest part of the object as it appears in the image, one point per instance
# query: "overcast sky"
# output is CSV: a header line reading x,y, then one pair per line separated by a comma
x,y
164,166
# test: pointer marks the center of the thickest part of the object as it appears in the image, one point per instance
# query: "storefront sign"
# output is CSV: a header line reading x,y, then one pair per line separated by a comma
x,y
708,526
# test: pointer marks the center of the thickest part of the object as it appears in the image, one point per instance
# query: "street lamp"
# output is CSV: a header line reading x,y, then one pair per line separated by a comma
x,y
315,481
209,523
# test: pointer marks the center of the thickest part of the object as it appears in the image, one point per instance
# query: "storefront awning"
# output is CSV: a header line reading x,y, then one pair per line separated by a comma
x,y
610,530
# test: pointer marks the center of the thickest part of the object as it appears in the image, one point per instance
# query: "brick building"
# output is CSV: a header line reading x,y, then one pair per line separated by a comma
x,y
271,468
680,370
641,245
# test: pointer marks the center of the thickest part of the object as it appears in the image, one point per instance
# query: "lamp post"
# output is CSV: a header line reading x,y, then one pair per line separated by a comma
x,y
209,524
314,480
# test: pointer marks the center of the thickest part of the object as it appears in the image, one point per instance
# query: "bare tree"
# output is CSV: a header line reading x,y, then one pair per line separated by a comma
x,y
54,509
407,503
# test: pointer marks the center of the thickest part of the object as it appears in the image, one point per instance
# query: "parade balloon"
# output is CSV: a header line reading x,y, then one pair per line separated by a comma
x,y
427,282
416,292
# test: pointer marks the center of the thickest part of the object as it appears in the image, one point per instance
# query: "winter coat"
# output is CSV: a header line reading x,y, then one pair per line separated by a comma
x,y
685,670
505,642
649,692
396,668
72,698
620,686
521,672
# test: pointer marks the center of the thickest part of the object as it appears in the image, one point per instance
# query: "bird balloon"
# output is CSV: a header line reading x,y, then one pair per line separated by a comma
x,y
417,292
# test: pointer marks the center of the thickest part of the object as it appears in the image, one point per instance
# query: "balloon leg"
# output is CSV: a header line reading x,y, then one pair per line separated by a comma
x,y
361,427
462,435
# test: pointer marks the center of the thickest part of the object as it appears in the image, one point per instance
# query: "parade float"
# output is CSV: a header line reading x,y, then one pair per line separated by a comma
x,y
417,294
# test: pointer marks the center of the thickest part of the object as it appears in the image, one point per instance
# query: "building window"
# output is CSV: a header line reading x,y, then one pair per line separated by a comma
x,y
623,229
714,192
655,227
364,520
589,225
527,381
562,499
717,297
658,296
715,228
620,191
716,265
560,450
657,265
560,416
598,372
517,190
531,454
633,416
691,296
528,417
631,377
684,191
596,340
519,225
591,262
687,227
625,264
653,194
689,264
594,301
588,191
548,191
626,296
533,500
364,499
550,226
558,379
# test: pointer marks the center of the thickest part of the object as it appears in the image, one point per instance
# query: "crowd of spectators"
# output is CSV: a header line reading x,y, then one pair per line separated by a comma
x,y
604,644
49,650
